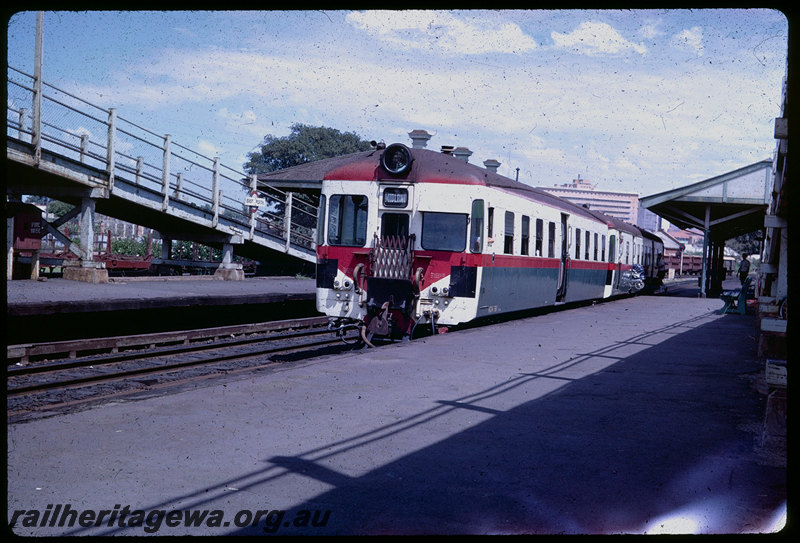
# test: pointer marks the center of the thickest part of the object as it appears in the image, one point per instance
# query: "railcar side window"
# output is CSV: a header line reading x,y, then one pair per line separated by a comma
x,y
508,245
603,248
551,240
347,220
539,236
526,235
577,243
588,239
612,247
444,231
595,246
476,227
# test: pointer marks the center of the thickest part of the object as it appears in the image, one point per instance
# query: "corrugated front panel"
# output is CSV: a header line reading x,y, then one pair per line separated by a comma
x,y
505,289
514,289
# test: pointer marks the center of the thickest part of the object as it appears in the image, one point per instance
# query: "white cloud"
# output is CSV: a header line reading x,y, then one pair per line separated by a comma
x,y
441,31
690,40
591,38
630,124
245,124
81,131
651,31
207,148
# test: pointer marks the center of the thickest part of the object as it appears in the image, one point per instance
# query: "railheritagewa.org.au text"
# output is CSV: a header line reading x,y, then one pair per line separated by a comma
x,y
151,521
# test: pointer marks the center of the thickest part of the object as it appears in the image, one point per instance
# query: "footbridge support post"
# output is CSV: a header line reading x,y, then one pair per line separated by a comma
x,y
86,268
228,269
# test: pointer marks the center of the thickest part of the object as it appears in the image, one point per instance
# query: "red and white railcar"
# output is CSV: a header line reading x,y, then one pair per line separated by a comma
x,y
413,237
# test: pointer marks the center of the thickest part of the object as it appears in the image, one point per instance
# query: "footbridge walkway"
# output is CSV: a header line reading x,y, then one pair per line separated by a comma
x,y
63,147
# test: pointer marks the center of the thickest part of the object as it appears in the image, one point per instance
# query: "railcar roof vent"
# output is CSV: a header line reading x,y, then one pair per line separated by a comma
x,y
447,149
462,153
419,138
491,164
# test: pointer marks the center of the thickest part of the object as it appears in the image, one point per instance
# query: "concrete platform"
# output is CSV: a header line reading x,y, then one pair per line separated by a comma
x,y
642,415
27,297
64,309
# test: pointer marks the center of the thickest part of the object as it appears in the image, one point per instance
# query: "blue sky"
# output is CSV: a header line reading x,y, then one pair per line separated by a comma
x,y
637,101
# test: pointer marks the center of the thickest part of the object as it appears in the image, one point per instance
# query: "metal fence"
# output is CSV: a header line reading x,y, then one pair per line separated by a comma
x,y
76,129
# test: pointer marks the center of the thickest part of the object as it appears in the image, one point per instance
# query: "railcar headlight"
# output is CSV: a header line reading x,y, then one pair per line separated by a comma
x,y
397,159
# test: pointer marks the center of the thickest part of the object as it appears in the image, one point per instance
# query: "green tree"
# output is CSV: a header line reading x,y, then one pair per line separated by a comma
x,y
134,247
304,144
59,208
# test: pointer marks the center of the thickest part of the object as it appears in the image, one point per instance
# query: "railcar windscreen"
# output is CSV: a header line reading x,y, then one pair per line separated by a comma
x,y
444,231
347,220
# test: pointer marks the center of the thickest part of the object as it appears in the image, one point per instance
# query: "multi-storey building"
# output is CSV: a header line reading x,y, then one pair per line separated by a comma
x,y
621,205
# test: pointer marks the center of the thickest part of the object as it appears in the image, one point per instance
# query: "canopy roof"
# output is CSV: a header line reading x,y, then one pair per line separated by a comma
x,y
727,206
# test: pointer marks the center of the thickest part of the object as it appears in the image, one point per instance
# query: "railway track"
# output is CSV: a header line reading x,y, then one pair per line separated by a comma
x,y
57,376
50,377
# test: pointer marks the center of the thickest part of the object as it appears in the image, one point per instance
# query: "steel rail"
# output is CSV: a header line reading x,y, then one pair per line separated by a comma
x,y
170,367
22,354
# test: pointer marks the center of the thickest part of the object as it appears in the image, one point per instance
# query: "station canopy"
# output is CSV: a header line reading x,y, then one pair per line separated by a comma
x,y
725,206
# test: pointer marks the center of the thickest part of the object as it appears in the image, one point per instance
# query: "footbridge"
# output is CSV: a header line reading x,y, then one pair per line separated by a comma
x,y
63,147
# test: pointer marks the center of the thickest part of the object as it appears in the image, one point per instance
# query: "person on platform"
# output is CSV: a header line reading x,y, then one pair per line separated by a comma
x,y
744,268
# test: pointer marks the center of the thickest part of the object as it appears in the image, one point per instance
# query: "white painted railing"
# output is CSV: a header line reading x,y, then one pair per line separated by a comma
x,y
73,128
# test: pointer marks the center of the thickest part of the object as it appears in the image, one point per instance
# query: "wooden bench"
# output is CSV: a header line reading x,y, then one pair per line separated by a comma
x,y
736,299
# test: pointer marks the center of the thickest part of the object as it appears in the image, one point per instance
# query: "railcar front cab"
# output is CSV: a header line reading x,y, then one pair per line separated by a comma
x,y
371,265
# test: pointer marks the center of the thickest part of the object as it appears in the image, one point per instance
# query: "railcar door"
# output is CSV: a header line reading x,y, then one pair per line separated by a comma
x,y
392,254
394,224
561,291
612,257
